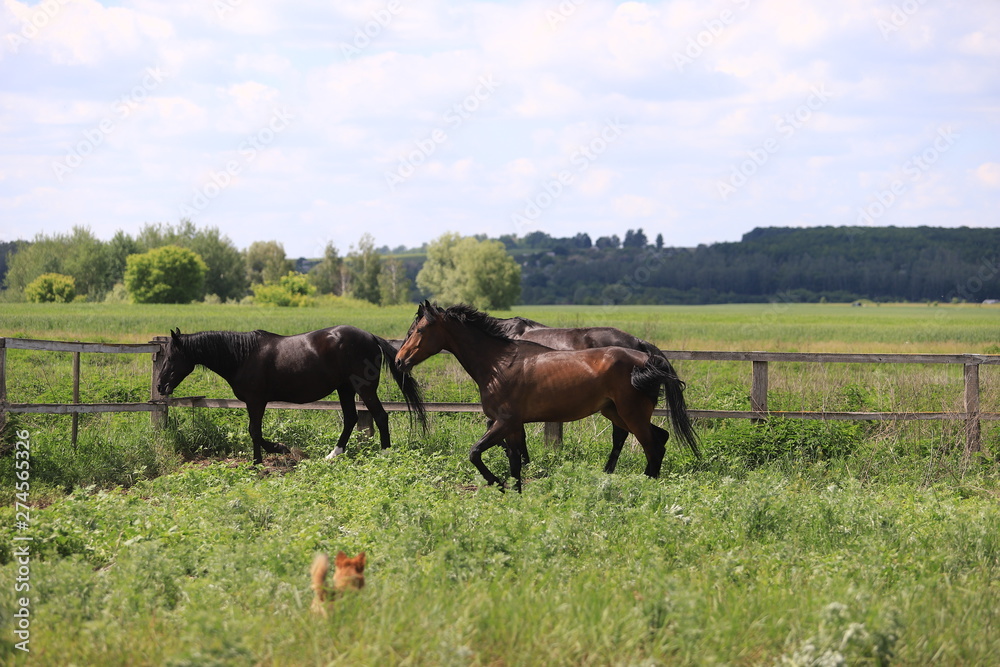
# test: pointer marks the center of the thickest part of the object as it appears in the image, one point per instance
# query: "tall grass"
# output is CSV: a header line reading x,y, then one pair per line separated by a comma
x,y
787,564
795,543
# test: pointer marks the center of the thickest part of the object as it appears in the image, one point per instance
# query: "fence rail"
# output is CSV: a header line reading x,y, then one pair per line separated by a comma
x,y
159,405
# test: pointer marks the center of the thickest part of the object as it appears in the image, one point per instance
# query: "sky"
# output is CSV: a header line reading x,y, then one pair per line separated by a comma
x,y
315,122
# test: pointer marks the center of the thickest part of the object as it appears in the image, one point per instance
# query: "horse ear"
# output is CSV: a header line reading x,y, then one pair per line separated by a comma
x,y
175,334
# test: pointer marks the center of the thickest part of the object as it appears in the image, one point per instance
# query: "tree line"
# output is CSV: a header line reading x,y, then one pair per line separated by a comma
x,y
183,263
767,264
840,264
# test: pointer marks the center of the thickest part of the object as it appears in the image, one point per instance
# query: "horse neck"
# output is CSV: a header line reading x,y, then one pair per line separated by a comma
x,y
221,352
477,351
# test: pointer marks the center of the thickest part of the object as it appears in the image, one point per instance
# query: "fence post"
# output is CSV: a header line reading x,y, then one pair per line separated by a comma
x,y
75,430
158,418
758,390
972,426
3,383
553,434
366,423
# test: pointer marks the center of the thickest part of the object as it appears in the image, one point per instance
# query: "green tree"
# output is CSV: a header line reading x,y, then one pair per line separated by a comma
x,y
51,288
365,264
266,262
169,274
326,275
394,286
119,248
79,254
635,239
467,270
292,289
227,271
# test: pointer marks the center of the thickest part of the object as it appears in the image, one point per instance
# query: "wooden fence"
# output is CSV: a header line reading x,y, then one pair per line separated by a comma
x,y
158,405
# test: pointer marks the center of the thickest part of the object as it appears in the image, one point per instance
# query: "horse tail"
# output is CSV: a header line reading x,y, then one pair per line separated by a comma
x,y
658,371
412,393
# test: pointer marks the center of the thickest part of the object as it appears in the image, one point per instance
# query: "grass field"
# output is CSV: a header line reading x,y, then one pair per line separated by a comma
x,y
796,543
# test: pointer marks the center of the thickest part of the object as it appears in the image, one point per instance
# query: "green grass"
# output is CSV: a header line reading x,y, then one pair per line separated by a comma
x,y
209,566
796,543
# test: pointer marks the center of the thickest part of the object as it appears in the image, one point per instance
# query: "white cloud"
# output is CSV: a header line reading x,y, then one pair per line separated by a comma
x,y
988,174
564,70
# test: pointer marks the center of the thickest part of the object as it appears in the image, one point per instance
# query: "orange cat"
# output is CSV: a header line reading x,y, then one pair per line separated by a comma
x,y
348,573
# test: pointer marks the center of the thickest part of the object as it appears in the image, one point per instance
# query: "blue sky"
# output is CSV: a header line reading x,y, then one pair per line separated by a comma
x,y
307,124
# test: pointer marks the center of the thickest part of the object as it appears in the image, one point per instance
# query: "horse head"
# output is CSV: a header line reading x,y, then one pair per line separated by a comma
x,y
177,365
424,338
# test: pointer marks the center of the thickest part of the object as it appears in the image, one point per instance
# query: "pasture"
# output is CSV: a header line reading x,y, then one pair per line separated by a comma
x,y
792,542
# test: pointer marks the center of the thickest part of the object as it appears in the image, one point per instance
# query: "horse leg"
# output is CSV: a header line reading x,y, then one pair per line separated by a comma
x,y
618,436
350,413
637,421
523,445
661,434
378,413
515,448
525,458
256,414
492,437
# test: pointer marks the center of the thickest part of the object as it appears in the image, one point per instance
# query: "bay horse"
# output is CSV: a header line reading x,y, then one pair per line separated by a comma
x,y
521,382
583,338
262,367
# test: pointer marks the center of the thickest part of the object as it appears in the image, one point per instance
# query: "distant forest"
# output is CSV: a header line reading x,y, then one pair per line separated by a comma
x,y
839,264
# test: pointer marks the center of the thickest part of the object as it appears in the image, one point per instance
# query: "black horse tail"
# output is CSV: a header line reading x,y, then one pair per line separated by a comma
x,y
658,371
412,393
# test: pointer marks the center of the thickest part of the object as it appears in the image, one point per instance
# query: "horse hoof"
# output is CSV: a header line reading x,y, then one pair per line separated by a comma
x,y
337,451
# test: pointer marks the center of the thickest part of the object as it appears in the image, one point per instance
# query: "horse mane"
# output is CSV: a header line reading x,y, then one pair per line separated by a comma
x,y
222,351
476,318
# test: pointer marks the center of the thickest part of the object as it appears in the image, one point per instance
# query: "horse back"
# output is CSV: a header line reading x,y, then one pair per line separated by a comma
x,y
584,338
308,367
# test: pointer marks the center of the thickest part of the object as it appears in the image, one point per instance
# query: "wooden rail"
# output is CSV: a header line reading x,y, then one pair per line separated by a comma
x,y
158,405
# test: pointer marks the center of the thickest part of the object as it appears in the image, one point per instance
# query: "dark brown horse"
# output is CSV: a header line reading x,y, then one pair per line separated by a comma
x,y
589,337
262,367
521,382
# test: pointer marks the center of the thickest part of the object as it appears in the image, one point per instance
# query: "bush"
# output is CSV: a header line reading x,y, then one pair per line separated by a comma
x,y
169,274
51,288
753,445
292,289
